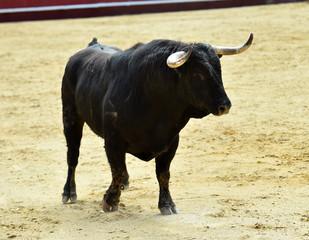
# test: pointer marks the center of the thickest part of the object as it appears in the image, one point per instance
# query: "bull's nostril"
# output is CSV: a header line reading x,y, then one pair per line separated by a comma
x,y
223,109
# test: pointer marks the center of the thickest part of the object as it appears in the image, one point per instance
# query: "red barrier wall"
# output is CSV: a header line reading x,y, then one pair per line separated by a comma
x,y
40,3
21,10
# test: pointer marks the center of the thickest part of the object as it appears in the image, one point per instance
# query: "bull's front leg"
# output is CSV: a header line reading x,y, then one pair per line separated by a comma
x,y
115,152
166,204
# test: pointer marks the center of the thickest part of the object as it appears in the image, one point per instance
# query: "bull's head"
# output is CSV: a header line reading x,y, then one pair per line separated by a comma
x,y
208,94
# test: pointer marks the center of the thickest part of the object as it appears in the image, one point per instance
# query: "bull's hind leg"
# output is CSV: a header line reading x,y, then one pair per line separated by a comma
x,y
73,128
166,204
116,157
115,151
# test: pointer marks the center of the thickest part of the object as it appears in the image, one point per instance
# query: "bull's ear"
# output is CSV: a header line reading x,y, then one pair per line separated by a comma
x,y
220,55
177,59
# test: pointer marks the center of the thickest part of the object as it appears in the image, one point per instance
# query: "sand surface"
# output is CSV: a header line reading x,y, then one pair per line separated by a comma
x,y
241,176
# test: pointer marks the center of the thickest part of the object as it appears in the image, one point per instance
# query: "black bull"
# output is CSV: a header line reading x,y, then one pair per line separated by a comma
x,y
138,101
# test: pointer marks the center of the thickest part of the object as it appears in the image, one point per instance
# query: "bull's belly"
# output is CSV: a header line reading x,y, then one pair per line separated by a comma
x,y
145,156
150,149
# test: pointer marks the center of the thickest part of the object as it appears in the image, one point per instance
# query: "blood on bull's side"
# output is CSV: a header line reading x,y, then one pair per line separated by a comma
x,y
138,100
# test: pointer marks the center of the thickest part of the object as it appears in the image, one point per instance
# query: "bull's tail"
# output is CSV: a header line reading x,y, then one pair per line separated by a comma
x,y
93,42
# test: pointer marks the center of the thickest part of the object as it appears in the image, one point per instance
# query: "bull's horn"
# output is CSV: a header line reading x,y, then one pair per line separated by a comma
x,y
177,59
233,50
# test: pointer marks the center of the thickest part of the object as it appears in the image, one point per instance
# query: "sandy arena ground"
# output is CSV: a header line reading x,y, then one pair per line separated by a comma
x,y
241,176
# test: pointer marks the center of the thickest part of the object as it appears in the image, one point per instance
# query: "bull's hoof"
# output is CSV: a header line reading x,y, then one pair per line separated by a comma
x,y
66,198
109,208
168,210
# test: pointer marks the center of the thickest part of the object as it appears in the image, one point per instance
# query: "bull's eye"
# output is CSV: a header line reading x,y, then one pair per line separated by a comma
x,y
198,76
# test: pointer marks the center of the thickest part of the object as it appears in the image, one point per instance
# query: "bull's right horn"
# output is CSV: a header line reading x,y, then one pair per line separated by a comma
x,y
233,50
177,59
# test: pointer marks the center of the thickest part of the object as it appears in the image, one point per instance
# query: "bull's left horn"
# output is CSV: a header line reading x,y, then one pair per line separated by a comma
x,y
233,50
177,59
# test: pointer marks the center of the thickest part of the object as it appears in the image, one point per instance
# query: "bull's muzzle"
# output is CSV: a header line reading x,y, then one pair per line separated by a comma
x,y
224,108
